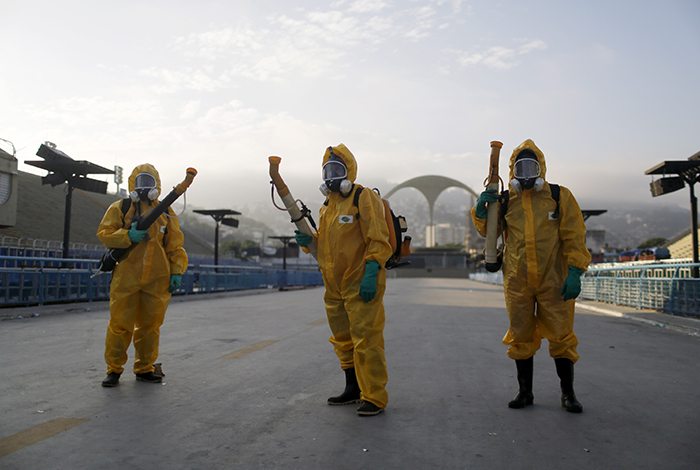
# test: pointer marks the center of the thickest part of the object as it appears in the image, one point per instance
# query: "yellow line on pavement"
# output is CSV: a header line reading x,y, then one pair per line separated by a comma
x,y
250,349
36,434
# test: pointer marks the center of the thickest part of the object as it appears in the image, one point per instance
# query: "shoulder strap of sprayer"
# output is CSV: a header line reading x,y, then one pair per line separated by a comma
x,y
126,204
555,195
554,188
356,198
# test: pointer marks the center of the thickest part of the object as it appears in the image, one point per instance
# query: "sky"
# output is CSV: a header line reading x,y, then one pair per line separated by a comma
x,y
607,89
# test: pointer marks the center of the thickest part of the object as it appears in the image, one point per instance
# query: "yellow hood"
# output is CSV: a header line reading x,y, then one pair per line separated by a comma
x,y
346,155
530,145
143,168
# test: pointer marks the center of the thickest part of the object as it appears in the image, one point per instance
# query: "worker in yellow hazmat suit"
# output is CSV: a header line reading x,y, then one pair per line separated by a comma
x,y
353,247
545,255
142,282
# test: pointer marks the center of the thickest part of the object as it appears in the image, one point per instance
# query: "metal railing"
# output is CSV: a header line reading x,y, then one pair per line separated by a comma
x,y
665,287
30,281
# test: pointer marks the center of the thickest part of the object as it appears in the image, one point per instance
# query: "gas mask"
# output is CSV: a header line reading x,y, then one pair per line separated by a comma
x,y
526,172
335,177
144,188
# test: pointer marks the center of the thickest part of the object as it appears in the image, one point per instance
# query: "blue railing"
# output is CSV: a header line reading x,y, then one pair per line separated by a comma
x,y
665,287
30,281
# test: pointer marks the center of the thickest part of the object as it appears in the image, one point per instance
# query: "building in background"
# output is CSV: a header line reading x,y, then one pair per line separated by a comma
x,y
8,189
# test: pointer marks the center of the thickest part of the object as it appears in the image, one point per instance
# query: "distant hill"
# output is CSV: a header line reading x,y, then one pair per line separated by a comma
x,y
627,226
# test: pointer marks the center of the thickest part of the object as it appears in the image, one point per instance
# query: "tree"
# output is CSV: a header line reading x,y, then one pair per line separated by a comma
x,y
239,248
652,242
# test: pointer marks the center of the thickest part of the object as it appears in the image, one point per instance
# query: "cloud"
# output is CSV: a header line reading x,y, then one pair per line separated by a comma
x,y
309,44
171,81
213,45
190,109
367,6
423,22
499,57
80,112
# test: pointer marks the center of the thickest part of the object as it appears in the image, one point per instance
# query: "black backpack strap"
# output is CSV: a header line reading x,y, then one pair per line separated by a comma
x,y
126,204
165,230
356,199
555,189
503,199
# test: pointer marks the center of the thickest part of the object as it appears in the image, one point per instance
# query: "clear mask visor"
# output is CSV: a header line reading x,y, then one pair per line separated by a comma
x,y
333,170
144,181
526,168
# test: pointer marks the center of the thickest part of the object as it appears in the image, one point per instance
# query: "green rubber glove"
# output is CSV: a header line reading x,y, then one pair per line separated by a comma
x,y
303,239
488,196
368,286
175,282
136,235
572,284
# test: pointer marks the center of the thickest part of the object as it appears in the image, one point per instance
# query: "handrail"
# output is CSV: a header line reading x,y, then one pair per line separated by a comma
x,y
680,270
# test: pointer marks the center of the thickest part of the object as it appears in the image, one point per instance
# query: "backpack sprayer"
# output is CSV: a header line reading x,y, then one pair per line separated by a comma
x,y
113,256
493,258
301,217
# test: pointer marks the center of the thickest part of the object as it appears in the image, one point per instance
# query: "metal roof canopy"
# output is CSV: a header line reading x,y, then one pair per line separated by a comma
x,y
675,167
285,242
63,169
219,216
57,161
591,212
217,212
689,171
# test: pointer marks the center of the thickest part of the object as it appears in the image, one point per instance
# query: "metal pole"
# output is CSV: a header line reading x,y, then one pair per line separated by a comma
x,y
694,226
66,220
216,244
284,255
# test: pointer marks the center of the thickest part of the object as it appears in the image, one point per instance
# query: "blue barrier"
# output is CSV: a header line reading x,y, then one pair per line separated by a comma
x,y
30,281
665,287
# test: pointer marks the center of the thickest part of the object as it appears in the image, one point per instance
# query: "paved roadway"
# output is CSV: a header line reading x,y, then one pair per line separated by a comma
x,y
247,377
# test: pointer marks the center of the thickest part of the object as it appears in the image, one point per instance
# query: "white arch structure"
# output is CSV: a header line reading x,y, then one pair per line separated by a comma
x,y
431,186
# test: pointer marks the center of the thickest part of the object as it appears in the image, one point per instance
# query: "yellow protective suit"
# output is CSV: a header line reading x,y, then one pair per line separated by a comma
x,y
139,294
537,254
345,242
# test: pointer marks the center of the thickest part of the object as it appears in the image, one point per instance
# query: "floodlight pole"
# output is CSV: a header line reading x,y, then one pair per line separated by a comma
x,y
216,242
66,219
285,243
219,216
689,172
63,169
694,224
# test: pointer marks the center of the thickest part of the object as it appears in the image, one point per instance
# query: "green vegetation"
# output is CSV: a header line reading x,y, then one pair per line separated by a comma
x,y
657,241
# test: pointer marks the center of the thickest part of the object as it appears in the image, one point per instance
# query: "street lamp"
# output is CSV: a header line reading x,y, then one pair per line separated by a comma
x,y
285,242
63,169
685,171
219,216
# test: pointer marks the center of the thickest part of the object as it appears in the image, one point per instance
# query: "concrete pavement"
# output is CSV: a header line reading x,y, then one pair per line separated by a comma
x,y
247,377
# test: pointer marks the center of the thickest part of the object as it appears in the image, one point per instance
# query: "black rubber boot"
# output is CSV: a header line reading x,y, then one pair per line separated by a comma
x,y
565,371
149,377
368,409
524,397
112,380
351,394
